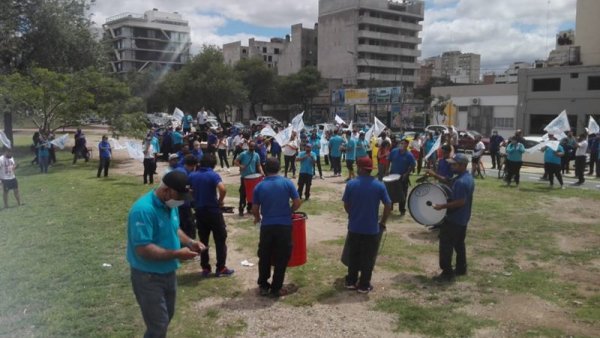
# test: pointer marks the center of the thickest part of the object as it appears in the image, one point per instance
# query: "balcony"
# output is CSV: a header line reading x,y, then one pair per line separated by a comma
x,y
388,50
386,64
389,37
390,23
386,77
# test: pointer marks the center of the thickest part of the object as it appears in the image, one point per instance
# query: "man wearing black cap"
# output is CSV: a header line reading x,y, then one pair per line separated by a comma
x,y
361,201
454,228
155,244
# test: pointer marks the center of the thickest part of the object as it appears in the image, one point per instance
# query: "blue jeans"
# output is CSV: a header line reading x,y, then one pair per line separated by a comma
x,y
155,293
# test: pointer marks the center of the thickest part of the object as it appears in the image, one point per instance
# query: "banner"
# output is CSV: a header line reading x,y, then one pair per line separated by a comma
x,y
357,96
116,145
435,147
339,120
593,127
376,129
298,122
177,116
559,124
268,131
284,136
61,141
4,140
135,150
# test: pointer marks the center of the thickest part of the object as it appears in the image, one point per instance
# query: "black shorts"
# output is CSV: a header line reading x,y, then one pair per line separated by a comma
x,y
10,184
475,160
350,164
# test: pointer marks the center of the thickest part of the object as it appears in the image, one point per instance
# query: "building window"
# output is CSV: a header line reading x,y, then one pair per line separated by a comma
x,y
276,51
593,82
270,58
264,49
546,85
243,51
574,75
504,123
463,108
265,58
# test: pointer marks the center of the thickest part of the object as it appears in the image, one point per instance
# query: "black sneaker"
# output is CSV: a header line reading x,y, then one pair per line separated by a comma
x,y
460,272
444,278
264,291
224,272
365,289
350,286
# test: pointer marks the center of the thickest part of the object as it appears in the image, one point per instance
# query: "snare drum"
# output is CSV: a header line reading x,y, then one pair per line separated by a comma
x,y
421,201
393,185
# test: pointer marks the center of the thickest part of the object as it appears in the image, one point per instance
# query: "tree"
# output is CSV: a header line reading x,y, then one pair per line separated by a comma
x,y
302,87
56,100
204,82
51,34
258,80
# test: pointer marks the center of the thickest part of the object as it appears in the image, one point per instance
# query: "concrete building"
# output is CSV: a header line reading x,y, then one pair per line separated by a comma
x,y
565,52
482,108
155,39
461,68
545,92
586,34
511,75
287,56
363,40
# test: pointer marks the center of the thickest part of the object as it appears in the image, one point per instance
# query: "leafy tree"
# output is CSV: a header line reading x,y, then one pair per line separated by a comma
x,y
258,80
302,87
52,34
204,82
56,100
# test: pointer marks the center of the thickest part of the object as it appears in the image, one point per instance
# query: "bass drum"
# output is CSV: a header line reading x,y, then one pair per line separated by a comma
x,y
421,201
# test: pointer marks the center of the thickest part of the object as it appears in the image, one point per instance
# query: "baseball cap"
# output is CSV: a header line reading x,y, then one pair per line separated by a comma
x,y
178,181
365,163
459,159
173,156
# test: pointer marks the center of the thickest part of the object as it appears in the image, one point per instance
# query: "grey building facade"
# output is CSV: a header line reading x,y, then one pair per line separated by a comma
x,y
363,40
545,92
155,39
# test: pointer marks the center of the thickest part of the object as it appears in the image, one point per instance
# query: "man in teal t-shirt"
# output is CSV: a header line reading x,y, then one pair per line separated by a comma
x,y
154,248
307,160
249,163
335,153
350,155
552,162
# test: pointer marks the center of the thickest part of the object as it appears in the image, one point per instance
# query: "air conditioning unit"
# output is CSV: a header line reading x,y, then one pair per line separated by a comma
x,y
476,101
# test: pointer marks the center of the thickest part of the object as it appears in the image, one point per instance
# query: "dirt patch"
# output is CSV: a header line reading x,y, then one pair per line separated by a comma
x,y
577,242
573,210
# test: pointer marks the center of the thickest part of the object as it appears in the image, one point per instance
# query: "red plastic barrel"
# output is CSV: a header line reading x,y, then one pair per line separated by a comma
x,y
298,256
250,182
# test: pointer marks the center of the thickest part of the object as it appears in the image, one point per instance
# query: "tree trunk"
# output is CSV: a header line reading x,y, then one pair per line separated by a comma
x,y
8,127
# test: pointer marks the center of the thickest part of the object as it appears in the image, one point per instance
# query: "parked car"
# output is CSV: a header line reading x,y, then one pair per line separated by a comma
x,y
436,128
265,119
536,158
467,142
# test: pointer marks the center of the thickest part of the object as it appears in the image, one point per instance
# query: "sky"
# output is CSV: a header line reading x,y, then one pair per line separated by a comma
x,y
502,31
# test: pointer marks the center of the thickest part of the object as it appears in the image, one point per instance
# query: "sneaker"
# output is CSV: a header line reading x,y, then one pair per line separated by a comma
x,y
225,272
205,273
460,272
350,286
402,213
364,289
264,291
444,278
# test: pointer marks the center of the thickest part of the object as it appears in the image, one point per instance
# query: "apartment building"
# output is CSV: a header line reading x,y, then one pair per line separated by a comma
x,y
365,40
157,40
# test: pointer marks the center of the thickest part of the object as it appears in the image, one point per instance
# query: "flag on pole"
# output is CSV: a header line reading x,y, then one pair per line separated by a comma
x,y
376,129
135,150
268,131
61,141
593,127
559,124
177,117
339,119
283,137
298,122
5,140
435,147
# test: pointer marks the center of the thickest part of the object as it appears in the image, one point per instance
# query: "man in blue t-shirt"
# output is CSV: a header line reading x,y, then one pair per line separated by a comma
x,y
307,160
350,147
402,163
335,153
177,140
186,123
361,201
105,152
271,207
453,230
155,244
553,162
249,163
315,142
205,184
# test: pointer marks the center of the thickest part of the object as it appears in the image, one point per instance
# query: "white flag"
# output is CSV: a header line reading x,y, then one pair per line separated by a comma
x,y
5,140
61,141
284,136
177,117
116,145
350,125
435,147
135,150
593,127
559,124
268,131
339,119
298,122
376,129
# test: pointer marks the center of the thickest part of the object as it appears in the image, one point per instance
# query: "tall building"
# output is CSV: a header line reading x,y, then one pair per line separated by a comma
x,y
362,40
587,28
286,56
461,68
511,75
157,40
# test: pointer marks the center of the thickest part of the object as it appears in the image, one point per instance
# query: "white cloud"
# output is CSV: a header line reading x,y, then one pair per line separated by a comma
x,y
501,31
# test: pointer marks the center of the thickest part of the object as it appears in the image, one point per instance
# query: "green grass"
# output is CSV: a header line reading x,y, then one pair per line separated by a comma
x,y
435,321
590,310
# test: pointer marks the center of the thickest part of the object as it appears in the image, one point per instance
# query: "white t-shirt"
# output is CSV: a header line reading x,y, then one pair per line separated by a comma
x,y
479,149
288,150
7,168
582,149
416,144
